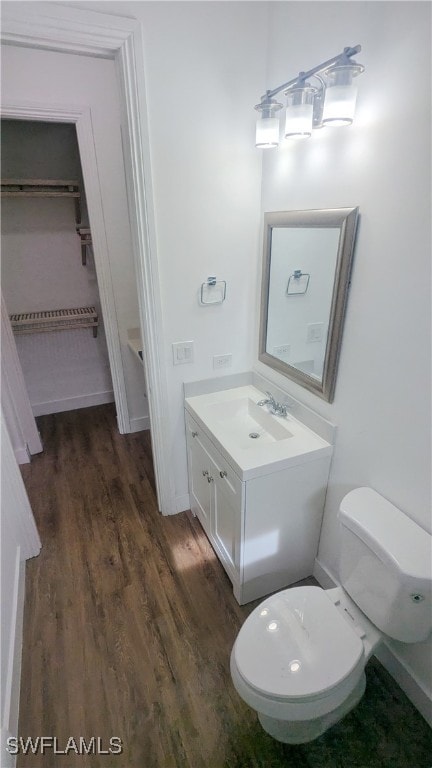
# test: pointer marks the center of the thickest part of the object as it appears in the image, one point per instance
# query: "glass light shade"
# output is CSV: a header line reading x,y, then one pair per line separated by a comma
x,y
267,132
341,95
299,113
298,122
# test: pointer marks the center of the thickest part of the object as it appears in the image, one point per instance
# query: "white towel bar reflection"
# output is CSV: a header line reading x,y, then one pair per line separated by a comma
x,y
302,285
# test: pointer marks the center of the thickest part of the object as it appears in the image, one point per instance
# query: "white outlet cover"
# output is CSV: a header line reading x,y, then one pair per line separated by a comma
x,y
222,361
282,349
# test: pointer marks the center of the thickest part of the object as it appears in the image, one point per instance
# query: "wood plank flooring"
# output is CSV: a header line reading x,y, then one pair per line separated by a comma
x,y
130,620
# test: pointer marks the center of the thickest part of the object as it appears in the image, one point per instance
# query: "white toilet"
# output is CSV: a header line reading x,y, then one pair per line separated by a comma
x,y
299,658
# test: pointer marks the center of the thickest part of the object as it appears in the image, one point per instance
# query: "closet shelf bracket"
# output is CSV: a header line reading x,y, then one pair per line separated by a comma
x,y
44,188
55,320
86,242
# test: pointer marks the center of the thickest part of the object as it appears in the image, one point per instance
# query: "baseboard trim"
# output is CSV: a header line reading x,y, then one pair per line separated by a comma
x,y
181,503
407,680
21,456
72,403
323,576
394,665
140,423
10,712
13,677
7,759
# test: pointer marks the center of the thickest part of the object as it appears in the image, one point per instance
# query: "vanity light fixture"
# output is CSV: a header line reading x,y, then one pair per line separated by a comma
x,y
299,112
267,128
330,103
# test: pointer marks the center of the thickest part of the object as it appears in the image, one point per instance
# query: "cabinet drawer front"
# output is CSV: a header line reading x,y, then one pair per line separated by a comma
x,y
228,477
194,431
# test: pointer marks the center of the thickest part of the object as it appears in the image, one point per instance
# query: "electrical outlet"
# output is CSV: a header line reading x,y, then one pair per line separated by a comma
x,y
183,352
222,361
283,349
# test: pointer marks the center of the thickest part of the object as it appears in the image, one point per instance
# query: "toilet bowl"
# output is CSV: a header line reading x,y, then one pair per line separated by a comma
x,y
300,656
299,661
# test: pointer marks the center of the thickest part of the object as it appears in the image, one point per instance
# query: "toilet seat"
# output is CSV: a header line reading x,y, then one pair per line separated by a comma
x,y
296,647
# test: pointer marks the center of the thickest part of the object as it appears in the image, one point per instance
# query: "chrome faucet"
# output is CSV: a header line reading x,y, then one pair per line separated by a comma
x,y
277,409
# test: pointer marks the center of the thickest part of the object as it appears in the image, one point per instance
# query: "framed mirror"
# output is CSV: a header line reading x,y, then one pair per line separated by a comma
x,y
306,271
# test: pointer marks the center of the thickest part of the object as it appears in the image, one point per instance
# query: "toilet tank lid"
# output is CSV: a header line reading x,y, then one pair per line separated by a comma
x,y
388,532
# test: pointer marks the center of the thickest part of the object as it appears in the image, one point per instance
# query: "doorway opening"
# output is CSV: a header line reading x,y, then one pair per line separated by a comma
x,y
57,307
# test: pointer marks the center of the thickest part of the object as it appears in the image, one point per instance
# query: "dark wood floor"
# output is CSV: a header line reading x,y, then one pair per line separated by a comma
x,y
130,620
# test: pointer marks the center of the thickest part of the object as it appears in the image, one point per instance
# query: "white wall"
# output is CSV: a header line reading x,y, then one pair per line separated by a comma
x,y
381,164
42,269
48,78
204,69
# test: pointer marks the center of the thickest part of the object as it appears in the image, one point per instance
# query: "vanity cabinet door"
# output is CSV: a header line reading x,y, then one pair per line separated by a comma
x,y
216,497
226,518
201,477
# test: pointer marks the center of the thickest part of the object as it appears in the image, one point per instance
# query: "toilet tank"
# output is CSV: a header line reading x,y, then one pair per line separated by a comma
x,y
385,565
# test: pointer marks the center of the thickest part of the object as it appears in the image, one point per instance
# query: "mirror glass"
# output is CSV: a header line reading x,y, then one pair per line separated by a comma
x,y
306,270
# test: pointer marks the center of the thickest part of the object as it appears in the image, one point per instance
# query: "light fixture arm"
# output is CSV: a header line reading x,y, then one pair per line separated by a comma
x,y
341,58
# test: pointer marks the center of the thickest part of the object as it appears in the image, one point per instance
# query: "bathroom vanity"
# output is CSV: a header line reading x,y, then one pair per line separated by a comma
x,y
257,483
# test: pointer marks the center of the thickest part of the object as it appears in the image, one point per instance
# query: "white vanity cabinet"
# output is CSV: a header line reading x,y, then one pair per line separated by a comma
x,y
264,529
215,497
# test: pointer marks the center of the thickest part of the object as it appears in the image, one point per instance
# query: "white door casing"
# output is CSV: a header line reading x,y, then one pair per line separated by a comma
x,y
16,406
75,31
19,541
81,118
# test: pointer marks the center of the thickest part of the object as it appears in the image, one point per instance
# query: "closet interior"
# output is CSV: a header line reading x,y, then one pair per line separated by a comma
x,y
49,280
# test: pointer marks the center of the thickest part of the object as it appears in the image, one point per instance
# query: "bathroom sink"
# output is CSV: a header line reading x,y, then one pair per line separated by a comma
x,y
253,440
246,422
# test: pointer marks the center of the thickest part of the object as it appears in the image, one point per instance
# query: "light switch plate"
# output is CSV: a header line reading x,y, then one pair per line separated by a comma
x,y
183,352
314,332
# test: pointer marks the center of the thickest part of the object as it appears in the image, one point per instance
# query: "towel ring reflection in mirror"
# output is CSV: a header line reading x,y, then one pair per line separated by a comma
x,y
296,286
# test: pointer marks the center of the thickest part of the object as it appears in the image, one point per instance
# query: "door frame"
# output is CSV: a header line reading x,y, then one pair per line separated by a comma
x,y
71,30
81,118
17,410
